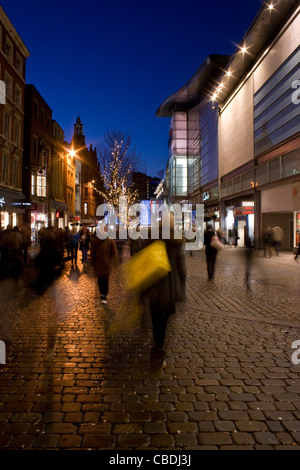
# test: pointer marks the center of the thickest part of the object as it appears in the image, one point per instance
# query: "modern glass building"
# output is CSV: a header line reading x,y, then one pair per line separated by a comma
x,y
192,171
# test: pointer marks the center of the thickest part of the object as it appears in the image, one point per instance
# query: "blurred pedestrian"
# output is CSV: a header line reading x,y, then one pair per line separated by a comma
x,y
73,242
60,238
67,241
277,238
298,253
49,259
138,244
104,255
26,241
210,252
249,260
4,251
267,241
84,244
235,236
163,295
15,252
230,237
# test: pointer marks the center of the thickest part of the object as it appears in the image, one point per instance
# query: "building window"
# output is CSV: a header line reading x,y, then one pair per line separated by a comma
x,y
8,85
6,125
41,186
274,169
8,49
16,174
18,97
17,132
5,169
290,163
32,185
19,63
276,117
261,174
35,147
85,208
2,91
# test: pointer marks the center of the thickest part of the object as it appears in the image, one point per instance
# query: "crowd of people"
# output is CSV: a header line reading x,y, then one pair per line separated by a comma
x,y
55,245
14,245
161,297
272,238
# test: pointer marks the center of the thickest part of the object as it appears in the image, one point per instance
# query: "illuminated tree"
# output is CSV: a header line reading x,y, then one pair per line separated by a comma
x,y
117,159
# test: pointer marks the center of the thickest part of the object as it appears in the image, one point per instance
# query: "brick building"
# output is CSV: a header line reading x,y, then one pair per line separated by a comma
x,y
13,55
90,172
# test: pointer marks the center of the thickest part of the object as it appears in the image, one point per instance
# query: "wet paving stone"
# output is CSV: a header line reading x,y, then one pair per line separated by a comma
x,y
225,381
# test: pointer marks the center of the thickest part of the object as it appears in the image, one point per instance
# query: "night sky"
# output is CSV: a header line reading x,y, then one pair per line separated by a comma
x,y
113,62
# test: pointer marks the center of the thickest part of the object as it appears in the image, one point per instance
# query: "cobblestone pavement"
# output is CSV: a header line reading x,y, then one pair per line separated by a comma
x,y
226,381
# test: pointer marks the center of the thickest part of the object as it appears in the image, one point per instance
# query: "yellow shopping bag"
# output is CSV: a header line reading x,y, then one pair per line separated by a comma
x,y
146,267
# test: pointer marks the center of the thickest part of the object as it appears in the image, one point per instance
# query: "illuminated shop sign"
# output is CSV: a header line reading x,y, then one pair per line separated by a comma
x,y
246,208
2,201
21,204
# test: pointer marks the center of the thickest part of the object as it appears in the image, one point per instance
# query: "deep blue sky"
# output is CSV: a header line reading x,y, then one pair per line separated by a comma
x,y
113,62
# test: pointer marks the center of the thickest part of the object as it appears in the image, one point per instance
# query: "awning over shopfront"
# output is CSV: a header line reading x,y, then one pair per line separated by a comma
x,y
13,201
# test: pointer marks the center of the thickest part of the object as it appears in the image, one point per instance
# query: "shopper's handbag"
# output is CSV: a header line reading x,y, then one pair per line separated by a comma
x,y
146,267
216,243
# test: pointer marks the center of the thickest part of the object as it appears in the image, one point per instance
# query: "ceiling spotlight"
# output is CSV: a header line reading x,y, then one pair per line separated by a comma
x,y
243,49
228,73
271,6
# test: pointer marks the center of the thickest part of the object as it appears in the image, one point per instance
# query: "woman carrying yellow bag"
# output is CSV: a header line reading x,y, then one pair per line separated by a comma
x,y
165,291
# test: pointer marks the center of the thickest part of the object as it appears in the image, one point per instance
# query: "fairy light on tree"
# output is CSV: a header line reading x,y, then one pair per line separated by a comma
x,y
117,161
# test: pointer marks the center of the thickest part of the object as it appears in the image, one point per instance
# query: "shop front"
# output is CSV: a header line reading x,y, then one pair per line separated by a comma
x,y
38,220
58,214
12,208
280,206
240,217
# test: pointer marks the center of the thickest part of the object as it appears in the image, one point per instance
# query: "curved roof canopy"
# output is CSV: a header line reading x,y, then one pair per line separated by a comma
x,y
269,20
196,88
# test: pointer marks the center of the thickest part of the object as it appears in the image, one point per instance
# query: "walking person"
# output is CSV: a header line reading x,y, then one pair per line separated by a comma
x,y
73,242
26,241
235,236
210,252
267,242
277,238
104,256
249,253
85,244
15,253
162,296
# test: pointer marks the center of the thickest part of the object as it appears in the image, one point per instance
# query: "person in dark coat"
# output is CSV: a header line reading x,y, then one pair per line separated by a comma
x,y
163,295
85,244
26,241
49,260
73,242
210,252
15,252
104,256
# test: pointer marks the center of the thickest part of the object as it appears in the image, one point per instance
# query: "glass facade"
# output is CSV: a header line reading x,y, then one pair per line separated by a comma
x,y
178,155
276,117
193,143
281,167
